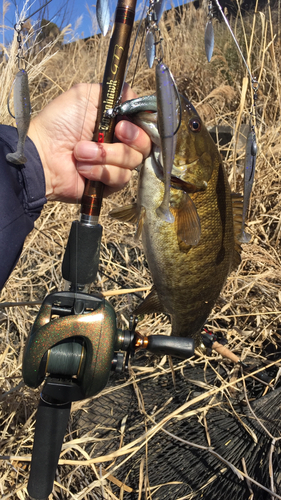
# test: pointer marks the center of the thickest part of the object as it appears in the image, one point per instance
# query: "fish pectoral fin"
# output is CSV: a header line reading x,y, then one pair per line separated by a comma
x,y
151,304
188,224
128,213
237,208
140,222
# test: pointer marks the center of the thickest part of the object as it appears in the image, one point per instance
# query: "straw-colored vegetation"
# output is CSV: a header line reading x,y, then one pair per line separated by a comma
x,y
247,313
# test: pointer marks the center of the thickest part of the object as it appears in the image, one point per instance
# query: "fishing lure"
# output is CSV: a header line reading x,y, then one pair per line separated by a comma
x,y
150,48
209,34
159,7
153,34
167,124
22,116
21,104
249,174
103,15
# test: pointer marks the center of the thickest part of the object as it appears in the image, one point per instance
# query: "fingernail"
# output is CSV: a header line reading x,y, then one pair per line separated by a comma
x,y
87,150
128,130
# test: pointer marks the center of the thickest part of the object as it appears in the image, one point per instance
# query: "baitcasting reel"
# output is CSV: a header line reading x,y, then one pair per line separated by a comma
x,y
75,340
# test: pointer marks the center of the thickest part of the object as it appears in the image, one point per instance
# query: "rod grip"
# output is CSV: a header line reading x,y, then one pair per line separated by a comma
x,y
81,259
50,427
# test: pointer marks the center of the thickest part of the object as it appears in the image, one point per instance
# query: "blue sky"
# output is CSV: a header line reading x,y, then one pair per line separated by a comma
x,y
76,10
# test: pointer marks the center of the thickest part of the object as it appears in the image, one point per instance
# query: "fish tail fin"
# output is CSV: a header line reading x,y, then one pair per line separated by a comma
x,y
17,158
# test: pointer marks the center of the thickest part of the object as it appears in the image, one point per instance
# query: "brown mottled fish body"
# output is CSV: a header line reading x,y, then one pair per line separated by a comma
x,y
188,271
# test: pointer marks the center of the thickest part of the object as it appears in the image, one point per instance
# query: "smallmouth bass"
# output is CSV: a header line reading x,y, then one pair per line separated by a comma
x,y
191,258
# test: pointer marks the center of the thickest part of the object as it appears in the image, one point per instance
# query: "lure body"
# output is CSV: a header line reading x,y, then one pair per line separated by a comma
x,y
150,48
249,175
167,125
22,116
209,40
190,258
103,15
159,9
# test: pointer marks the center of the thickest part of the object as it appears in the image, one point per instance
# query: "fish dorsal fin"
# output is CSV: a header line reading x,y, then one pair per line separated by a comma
x,y
151,304
237,208
187,223
128,213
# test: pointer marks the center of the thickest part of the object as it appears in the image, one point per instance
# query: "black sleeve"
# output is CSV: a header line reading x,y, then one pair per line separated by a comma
x,y
22,196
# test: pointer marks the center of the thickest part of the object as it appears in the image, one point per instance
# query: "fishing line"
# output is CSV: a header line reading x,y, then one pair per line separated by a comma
x,y
254,83
138,58
33,13
77,187
234,38
131,55
253,80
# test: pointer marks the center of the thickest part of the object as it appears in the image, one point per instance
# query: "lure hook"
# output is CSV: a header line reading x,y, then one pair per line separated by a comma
x,y
8,101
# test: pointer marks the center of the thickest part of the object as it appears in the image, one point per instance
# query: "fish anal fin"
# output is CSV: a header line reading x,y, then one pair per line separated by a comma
x,y
187,223
128,213
151,304
236,257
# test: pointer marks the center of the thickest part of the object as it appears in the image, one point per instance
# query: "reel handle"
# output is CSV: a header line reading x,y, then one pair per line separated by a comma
x,y
180,347
50,428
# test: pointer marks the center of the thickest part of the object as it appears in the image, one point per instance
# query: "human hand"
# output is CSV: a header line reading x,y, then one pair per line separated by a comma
x,y
62,134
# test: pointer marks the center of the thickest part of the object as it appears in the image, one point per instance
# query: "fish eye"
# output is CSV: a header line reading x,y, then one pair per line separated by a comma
x,y
195,124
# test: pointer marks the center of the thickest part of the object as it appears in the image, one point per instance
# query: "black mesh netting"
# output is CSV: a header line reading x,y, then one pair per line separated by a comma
x,y
174,470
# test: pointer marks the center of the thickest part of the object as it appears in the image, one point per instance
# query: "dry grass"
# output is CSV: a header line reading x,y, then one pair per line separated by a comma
x,y
248,311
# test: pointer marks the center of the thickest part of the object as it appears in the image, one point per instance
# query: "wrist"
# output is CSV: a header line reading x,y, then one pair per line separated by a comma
x,y
36,135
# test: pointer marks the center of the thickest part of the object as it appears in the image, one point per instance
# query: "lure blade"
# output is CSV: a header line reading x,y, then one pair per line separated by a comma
x,y
209,40
159,9
150,48
22,116
249,175
167,124
103,15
